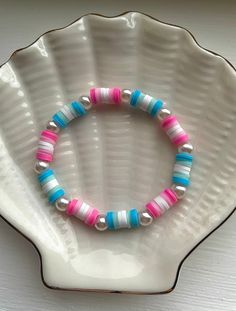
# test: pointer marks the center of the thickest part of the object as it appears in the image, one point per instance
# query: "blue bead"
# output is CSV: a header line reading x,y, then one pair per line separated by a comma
x,y
184,157
156,107
134,98
45,174
181,181
133,218
59,121
79,108
59,193
47,179
182,174
110,220
53,190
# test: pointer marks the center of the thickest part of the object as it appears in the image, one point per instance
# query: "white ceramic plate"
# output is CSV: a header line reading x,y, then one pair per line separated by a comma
x,y
117,158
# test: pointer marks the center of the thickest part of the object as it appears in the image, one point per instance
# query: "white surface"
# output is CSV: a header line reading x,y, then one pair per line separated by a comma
x,y
112,158
207,280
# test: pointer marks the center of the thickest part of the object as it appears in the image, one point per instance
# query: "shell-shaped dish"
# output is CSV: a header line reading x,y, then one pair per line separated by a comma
x,y
117,158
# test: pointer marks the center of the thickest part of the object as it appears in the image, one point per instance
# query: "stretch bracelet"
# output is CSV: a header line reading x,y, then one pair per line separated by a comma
x,y
114,219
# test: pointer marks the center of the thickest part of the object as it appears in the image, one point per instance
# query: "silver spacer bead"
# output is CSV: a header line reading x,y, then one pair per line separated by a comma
x,y
145,218
125,96
101,224
61,204
51,126
163,113
188,148
85,101
40,166
180,191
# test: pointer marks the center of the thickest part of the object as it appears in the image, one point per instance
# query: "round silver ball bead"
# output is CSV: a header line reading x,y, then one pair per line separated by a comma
x,y
85,101
101,224
180,191
188,148
61,204
163,113
51,126
40,166
126,95
145,218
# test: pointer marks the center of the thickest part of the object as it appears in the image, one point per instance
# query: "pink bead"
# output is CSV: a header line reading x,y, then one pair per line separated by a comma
x,y
49,134
181,139
153,209
93,96
73,206
170,195
116,95
49,140
105,95
92,217
168,121
44,156
173,129
45,151
83,211
156,207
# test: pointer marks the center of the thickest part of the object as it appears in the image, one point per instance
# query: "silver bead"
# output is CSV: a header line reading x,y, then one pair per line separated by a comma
x,y
125,96
40,166
51,126
188,148
179,191
163,113
145,218
61,204
101,224
85,101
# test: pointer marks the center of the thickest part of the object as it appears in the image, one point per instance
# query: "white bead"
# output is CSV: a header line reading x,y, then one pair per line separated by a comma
x,y
101,224
145,218
188,148
67,112
163,113
61,204
180,191
85,101
83,211
50,185
104,92
40,166
122,219
162,203
125,96
51,126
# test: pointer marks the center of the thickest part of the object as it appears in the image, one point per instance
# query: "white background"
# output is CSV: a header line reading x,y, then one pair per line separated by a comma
x,y
208,277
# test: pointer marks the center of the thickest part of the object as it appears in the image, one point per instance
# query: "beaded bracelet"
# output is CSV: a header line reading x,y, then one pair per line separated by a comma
x,y
114,219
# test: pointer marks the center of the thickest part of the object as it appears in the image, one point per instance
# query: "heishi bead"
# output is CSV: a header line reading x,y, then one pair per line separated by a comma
x,y
104,95
68,113
83,211
46,145
182,169
50,185
161,203
146,102
173,129
122,219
